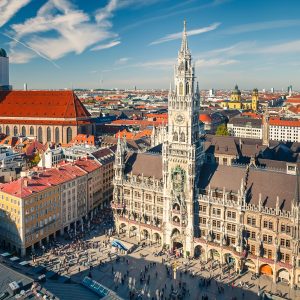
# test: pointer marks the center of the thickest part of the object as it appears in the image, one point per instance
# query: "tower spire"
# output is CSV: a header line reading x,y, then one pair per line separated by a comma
x,y
184,43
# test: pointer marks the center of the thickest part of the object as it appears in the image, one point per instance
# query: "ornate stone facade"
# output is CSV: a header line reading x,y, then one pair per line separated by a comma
x,y
174,195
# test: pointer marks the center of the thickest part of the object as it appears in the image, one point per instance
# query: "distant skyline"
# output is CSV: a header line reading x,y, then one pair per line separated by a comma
x,y
57,44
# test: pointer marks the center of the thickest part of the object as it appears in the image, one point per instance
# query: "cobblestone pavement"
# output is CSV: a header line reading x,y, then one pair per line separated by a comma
x,y
124,274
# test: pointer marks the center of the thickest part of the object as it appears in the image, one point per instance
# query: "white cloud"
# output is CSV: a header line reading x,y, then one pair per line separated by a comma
x,y
178,35
9,8
75,31
287,47
106,46
262,26
253,47
122,60
215,62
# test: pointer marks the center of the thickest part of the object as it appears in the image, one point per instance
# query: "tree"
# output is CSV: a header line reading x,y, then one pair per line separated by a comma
x,y
222,130
36,159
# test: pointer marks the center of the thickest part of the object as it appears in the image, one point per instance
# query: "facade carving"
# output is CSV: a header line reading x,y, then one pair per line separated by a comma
x,y
174,198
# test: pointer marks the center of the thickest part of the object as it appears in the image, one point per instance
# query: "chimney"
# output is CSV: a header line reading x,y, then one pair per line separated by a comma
x,y
25,86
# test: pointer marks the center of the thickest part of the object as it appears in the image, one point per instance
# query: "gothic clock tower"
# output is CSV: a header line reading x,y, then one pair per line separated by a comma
x,y
182,153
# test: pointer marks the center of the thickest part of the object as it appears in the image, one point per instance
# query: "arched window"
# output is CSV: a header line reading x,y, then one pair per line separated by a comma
x,y
175,136
186,65
182,137
69,134
40,134
187,88
180,89
23,131
57,135
31,130
15,130
7,130
48,134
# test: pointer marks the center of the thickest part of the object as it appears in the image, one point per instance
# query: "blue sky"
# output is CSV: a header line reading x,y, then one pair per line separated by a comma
x,y
126,43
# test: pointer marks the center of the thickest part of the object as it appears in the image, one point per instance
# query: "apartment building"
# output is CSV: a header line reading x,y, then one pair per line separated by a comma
x,y
33,209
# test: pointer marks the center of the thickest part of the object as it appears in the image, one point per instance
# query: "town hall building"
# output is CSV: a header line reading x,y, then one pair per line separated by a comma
x,y
189,199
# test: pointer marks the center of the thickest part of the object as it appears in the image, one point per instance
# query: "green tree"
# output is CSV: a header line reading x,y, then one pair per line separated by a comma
x,y
36,159
222,130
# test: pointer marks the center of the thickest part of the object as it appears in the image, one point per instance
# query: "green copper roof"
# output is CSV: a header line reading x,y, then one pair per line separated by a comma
x,y
2,53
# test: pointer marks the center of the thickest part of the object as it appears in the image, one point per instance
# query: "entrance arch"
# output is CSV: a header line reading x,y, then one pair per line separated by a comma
x,y
145,235
214,254
283,275
229,259
133,231
198,251
157,238
122,228
266,270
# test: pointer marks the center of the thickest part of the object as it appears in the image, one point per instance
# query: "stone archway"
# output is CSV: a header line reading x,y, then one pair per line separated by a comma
x,y
145,235
133,231
157,238
122,228
283,275
229,259
214,254
266,270
198,251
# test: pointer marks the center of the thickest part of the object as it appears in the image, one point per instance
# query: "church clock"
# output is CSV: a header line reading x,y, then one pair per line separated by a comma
x,y
179,119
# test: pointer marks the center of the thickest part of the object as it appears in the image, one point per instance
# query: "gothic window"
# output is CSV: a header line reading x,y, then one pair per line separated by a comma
x,y
48,134
69,134
31,130
180,89
182,137
56,135
40,134
7,130
23,131
15,130
175,136
186,65
187,90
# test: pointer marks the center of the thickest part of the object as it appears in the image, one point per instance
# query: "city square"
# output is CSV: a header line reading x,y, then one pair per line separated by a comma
x,y
149,272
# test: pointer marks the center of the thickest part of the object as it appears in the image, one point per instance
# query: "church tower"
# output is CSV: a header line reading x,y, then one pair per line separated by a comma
x,y
254,102
182,153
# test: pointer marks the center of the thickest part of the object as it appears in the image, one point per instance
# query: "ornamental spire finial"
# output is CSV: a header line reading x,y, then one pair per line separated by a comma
x,y
184,44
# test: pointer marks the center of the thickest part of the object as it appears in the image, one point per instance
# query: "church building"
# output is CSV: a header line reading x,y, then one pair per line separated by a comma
x,y
49,116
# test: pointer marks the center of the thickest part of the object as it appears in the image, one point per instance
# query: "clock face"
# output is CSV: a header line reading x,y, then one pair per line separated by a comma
x,y
179,119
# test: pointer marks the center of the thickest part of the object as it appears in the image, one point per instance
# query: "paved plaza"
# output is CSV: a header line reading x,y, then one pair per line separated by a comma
x,y
143,274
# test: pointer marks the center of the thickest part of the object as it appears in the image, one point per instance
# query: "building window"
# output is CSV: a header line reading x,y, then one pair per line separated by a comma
x,y
23,131
7,130
48,134
31,130
231,215
57,135
15,130
202,208
180,89
175,137
40,134
69,134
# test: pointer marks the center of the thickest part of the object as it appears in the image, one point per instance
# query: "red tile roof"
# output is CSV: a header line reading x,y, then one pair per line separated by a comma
x,y
83,139
41,104
281,122
25,186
